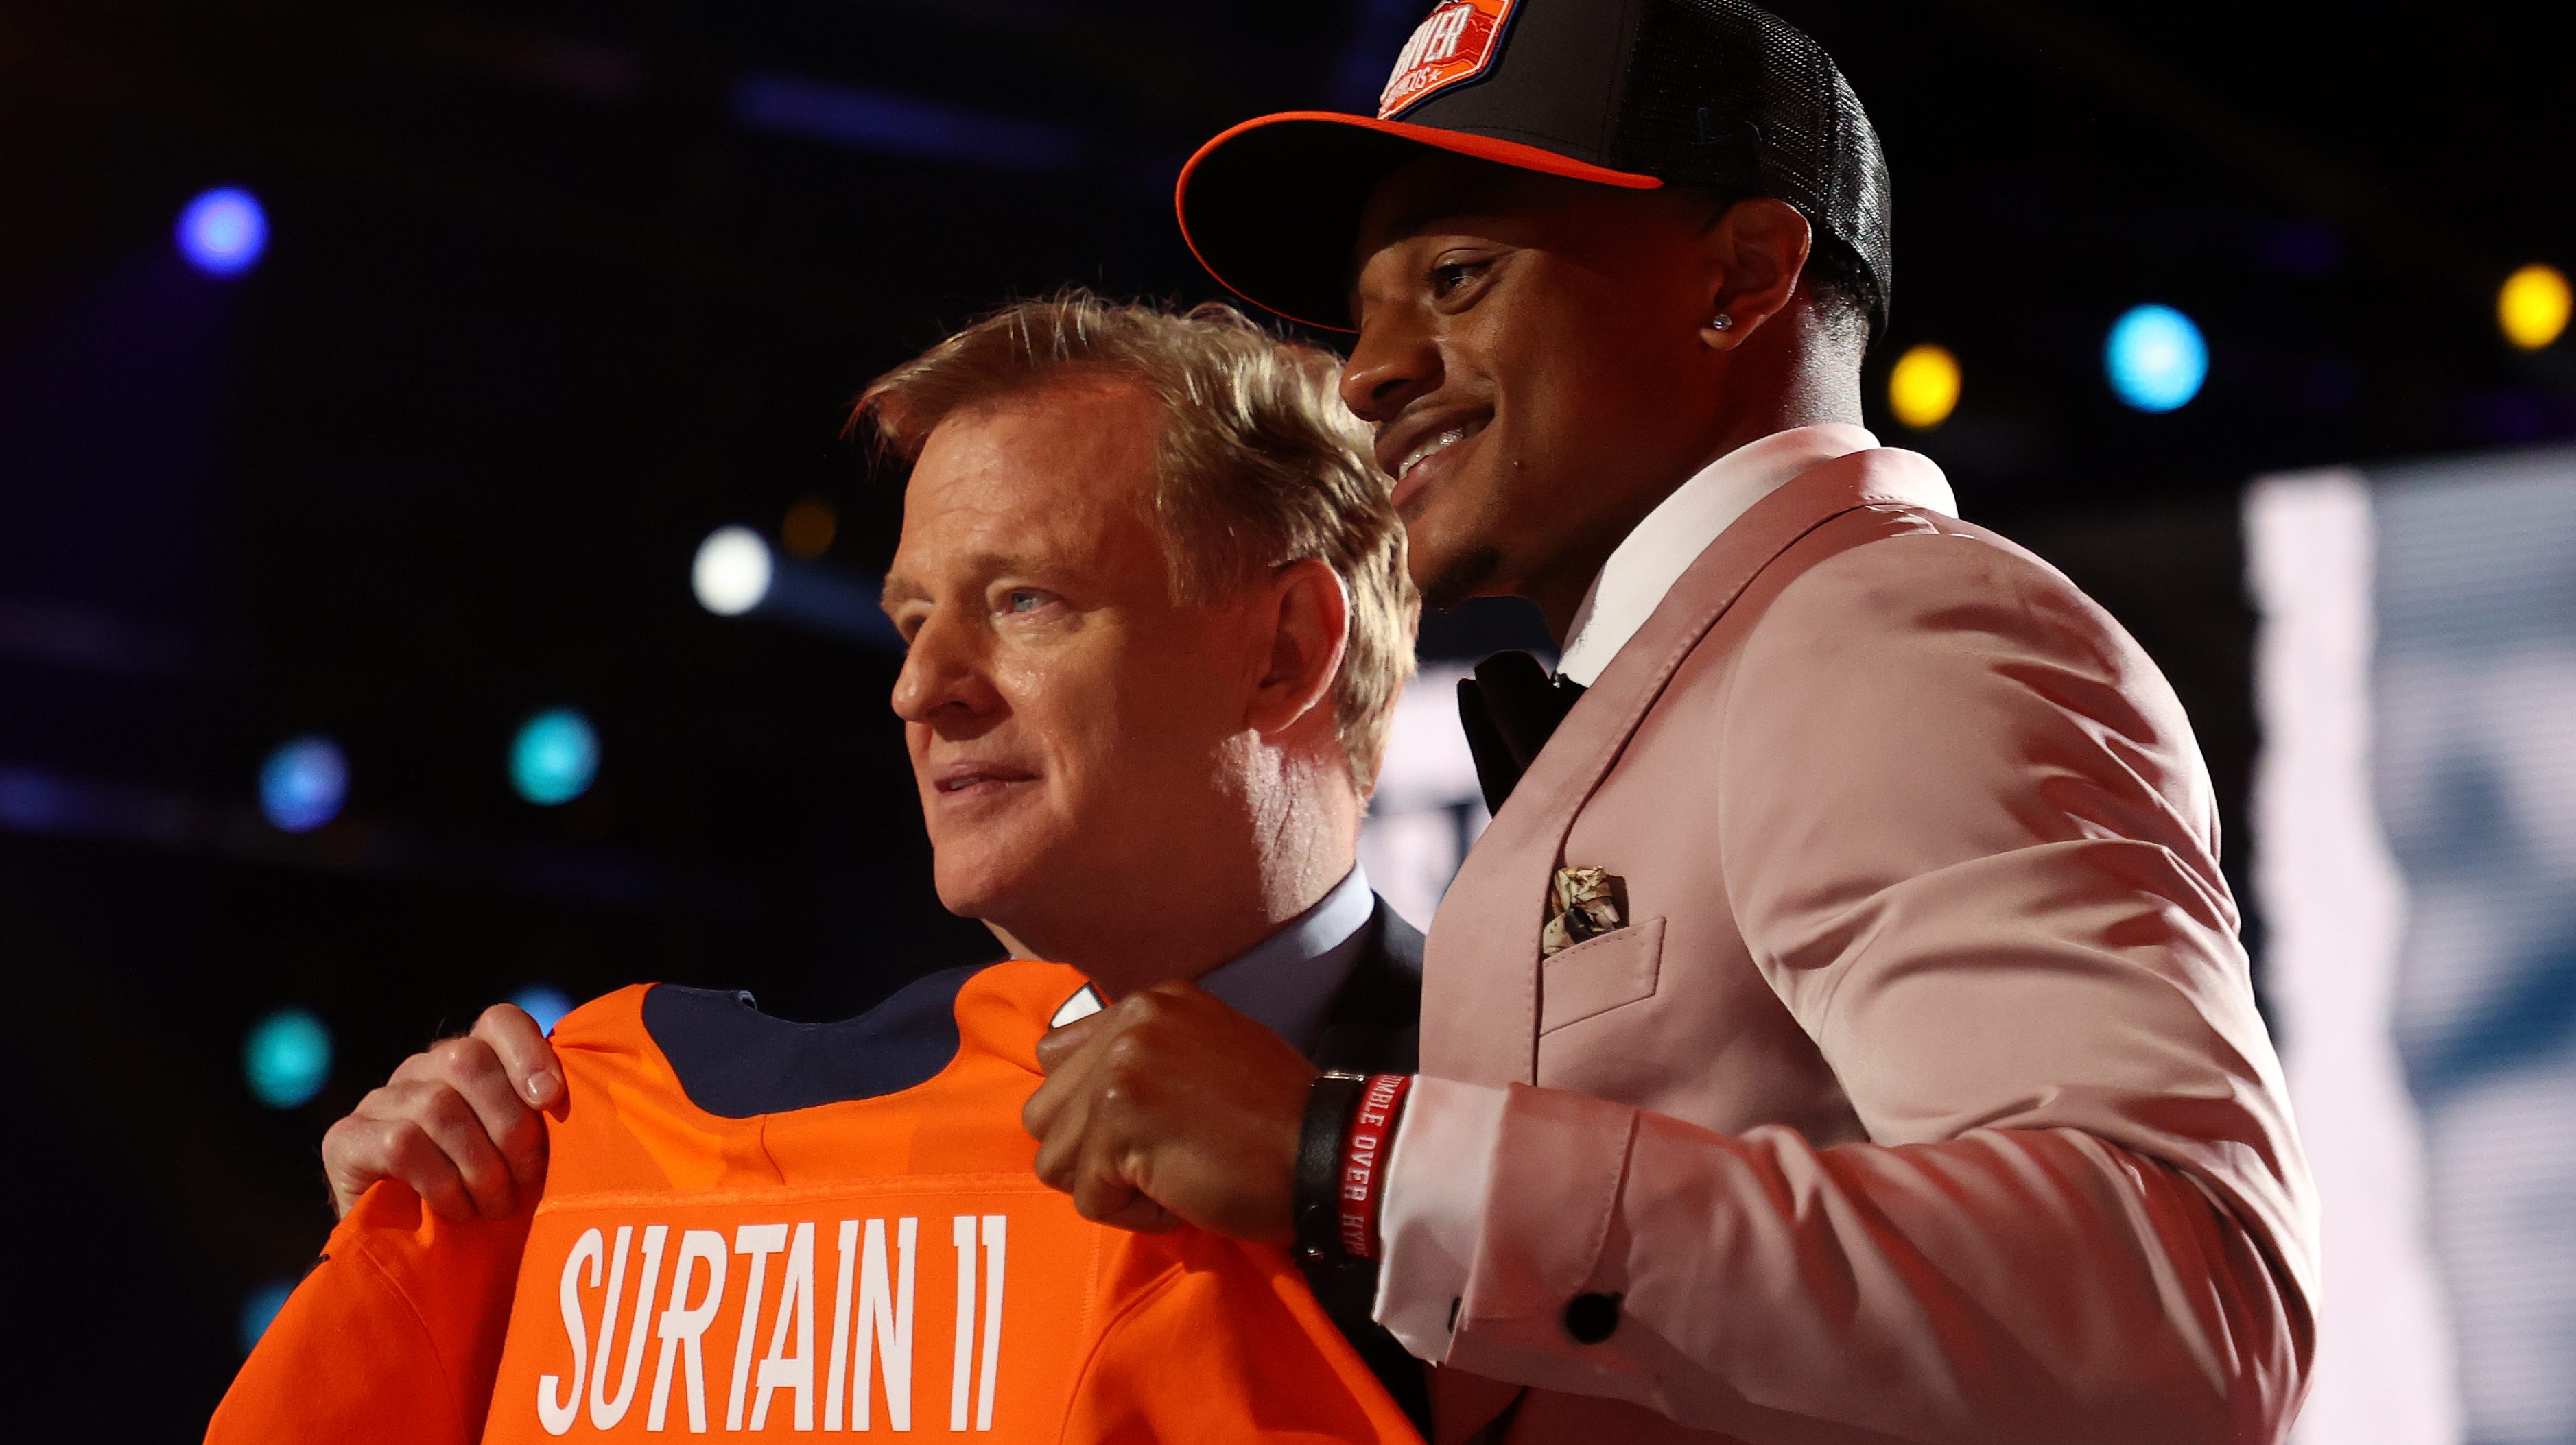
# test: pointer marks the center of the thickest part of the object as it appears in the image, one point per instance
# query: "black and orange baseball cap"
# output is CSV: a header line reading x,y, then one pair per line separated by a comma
x,y
1634,93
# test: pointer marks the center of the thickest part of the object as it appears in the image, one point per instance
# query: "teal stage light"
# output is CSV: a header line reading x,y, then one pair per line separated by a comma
x,y
259,1310
555,757
287,1058
2157,358
545,1005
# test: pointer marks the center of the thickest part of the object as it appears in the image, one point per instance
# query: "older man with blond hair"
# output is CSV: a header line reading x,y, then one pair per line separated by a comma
x,y
1156,611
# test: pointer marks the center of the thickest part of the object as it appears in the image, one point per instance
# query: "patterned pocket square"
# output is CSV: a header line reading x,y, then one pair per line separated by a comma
x,y
1583,902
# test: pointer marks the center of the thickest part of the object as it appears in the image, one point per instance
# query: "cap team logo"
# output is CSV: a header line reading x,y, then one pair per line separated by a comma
x,y
1456,43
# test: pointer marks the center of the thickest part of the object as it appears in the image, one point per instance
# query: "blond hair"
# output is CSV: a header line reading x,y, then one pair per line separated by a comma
x,y
1259,463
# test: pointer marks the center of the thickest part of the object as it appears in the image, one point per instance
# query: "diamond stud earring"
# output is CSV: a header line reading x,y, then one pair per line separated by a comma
x,y
1722,322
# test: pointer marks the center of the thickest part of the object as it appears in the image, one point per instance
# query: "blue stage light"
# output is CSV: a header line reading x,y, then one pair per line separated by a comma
x,y
259,1310
2156,358
545,1005
287,1058
555,757
304,783
223,231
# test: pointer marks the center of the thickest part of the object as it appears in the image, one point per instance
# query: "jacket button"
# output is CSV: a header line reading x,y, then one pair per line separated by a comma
x,y
1592,1318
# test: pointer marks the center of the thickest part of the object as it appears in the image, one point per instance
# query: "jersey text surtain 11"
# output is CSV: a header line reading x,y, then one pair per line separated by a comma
x,y
751,1225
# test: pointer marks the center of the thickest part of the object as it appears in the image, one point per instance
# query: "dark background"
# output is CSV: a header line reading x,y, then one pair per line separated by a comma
x,y
553,290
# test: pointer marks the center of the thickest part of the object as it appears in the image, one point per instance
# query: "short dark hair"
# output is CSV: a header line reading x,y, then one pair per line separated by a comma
x,y
1841,287
1845,293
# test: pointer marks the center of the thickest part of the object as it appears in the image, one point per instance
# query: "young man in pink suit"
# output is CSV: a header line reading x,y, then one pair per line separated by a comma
x,y
1841,1034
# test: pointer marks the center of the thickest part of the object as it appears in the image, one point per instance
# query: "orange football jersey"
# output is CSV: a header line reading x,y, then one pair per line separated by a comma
x,y
754,1225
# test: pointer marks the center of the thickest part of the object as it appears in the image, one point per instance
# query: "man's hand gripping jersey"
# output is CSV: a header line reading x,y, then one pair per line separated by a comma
x,y
755,1225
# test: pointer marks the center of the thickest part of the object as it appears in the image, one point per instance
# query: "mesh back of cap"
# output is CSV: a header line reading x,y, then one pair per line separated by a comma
x,y
1727,95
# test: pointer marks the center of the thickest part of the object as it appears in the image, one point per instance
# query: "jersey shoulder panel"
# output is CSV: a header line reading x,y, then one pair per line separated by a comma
x,y
1008,1006
606,1022
393,1336
625,1122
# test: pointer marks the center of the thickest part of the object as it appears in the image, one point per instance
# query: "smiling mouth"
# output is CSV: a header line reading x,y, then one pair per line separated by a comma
x,y
1435,444
1430,456
978,781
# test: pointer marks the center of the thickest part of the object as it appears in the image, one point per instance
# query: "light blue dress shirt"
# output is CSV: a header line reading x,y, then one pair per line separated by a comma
x,y
1288,980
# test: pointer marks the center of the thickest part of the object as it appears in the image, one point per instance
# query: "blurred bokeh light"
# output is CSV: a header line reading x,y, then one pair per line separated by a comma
x,y
259,1310
287,1058
223,231
732,571
555,757
304,784
1924,388
2533,305
810,526
2157,358
544,1003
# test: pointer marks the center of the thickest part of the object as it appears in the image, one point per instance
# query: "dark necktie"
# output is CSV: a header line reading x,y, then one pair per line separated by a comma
x,y
1509,710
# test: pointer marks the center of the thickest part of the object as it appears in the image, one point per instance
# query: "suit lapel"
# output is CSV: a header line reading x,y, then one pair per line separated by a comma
x,y
1481,974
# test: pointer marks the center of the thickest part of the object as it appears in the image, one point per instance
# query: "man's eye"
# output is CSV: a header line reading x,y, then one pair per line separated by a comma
x,y
1449,276
1025,599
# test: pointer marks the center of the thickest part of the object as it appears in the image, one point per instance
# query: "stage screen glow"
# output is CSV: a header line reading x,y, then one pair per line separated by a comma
x,y
2415,856
1427,809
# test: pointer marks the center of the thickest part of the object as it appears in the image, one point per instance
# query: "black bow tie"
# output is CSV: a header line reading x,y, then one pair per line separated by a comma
x,y
1509,709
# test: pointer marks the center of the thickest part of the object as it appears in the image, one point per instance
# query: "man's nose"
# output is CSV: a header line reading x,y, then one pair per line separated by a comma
x,y
943,678
1394,361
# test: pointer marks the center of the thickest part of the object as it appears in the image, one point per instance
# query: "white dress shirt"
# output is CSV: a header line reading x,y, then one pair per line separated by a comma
x,y
1442,1162
1656,553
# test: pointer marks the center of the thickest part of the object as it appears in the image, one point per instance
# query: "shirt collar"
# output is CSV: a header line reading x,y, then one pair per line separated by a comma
x,y
1632,584
1287,981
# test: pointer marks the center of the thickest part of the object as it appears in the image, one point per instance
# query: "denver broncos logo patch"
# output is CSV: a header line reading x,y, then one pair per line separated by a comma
x,y
1457,42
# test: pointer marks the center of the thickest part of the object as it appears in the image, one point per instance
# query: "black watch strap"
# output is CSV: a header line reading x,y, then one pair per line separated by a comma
x,y
1330,1101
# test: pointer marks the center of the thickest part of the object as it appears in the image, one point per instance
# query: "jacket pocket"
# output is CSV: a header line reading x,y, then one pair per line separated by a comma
x,y
1600,974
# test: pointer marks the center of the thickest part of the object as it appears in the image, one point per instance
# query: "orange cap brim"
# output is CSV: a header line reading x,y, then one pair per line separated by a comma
x,y
1271,207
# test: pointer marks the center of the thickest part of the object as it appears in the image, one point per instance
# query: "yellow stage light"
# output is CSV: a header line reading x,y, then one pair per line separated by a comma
x,y
2532,308
809,527
1924,388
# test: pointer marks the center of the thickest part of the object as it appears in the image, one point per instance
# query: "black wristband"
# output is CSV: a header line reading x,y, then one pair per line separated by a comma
x,y
1317,1200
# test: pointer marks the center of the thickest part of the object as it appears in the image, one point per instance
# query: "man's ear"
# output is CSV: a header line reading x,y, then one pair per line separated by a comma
x,y
1755,252
1310,623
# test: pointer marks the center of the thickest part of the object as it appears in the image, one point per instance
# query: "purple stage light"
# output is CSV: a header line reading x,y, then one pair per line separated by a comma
x,y
223,232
